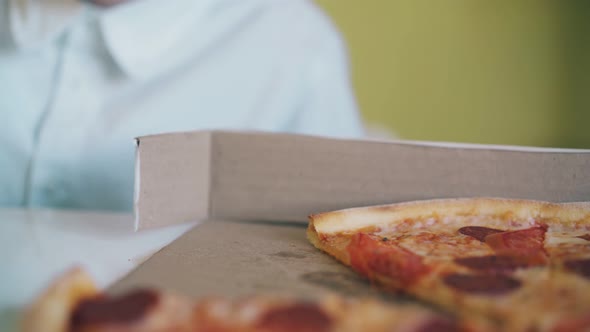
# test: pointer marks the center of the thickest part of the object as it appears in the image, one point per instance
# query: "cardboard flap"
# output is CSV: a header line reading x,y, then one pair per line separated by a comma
x,y
283,177
172,176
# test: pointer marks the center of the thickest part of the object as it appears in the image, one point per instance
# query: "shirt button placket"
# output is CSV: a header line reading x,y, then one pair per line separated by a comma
x,y
57,137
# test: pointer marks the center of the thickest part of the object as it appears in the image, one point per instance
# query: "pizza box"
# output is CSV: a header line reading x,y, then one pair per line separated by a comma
x,y
191,176
255,190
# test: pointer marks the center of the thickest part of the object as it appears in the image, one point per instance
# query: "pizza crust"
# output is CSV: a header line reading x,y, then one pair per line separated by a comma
x,y
350,220
52,310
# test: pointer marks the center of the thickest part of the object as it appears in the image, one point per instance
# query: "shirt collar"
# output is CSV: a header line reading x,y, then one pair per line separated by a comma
x,y
31,23
144,37
148,37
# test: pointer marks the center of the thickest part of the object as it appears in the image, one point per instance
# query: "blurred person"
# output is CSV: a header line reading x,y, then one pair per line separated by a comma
x,y
80,80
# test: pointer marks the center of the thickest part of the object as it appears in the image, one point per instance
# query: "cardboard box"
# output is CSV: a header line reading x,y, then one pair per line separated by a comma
x,y
277,177
257,189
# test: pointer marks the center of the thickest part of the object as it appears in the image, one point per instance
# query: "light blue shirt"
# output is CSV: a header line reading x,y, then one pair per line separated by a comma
x,y
78,83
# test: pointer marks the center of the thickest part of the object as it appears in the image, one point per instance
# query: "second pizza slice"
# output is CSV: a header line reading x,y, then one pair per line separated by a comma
x,y
522,265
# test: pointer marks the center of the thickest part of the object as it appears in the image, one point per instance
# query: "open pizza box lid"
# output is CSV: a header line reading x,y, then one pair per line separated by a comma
x,y
256,190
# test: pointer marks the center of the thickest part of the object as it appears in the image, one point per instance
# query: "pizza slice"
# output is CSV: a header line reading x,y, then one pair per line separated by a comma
x,y
73,304
522,265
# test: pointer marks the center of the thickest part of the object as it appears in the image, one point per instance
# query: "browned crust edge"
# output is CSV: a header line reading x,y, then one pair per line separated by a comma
x,y
51,310
355,218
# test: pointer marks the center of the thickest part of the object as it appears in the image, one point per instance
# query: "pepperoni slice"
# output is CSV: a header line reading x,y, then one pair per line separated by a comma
x,y
369,255
493,263
527,243
104,310
299,317
478,232
486,284
579,266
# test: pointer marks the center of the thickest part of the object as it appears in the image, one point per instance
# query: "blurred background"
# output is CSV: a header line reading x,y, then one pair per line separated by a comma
x,y
501,72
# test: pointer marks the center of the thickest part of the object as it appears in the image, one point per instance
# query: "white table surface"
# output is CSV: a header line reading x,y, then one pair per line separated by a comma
x,y
38,245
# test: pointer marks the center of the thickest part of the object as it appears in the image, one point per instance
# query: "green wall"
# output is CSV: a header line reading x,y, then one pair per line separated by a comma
x,y
504,72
